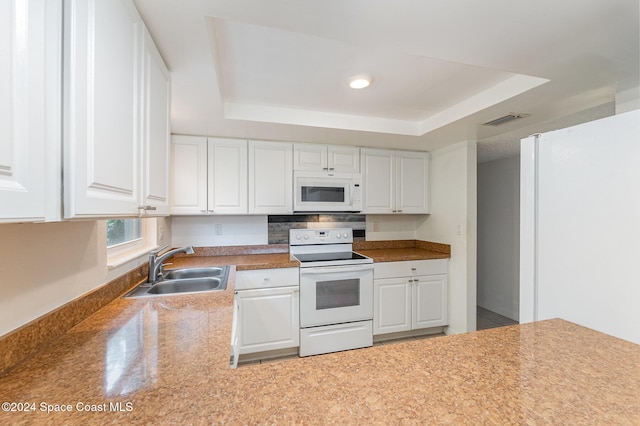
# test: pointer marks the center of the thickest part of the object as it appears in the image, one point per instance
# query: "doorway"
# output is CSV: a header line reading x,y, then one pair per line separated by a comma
x,y
498,284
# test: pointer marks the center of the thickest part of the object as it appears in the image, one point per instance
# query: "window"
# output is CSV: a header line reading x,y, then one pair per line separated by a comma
x,y
129,238
121,231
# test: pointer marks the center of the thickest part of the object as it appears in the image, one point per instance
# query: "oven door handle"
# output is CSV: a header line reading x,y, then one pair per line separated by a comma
x,y
332,269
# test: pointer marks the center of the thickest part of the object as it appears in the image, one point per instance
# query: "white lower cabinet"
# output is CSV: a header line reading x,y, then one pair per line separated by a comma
x,y
409,295
268,314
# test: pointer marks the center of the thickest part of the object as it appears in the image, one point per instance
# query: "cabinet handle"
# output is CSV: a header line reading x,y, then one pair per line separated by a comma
x,y
393,211
147,208
399,211
331,168
325,168
413,269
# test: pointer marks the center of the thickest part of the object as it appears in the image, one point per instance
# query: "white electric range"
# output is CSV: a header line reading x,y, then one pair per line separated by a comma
x,y
336,291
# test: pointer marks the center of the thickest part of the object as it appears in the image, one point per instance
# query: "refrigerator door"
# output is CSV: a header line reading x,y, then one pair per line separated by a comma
x,y
580,226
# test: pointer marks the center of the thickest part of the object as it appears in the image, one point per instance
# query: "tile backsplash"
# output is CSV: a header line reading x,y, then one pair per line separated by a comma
x,y
278,226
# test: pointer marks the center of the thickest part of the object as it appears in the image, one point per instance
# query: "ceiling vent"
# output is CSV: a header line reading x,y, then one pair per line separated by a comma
x,y
505,119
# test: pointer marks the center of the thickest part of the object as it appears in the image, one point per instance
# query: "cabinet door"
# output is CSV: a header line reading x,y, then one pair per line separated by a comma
x,y
343,158
412,173
102,108
30,107
227,171
268,319
189,175
391,305
156,131
310,157
270,177
379,181
429,301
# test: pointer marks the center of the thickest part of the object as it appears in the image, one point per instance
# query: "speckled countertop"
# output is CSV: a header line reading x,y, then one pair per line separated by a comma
x,y
277,255
165,360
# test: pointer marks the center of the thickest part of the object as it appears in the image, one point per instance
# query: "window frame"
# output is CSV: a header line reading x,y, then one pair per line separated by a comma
x,y
121,253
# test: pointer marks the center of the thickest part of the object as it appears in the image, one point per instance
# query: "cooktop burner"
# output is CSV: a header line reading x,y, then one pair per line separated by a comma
x,y
325,257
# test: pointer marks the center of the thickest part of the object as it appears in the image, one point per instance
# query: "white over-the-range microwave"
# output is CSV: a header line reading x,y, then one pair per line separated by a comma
x,y
327,192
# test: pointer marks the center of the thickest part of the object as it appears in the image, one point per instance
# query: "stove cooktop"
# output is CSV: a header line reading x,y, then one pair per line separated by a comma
x,y
327,257
331,259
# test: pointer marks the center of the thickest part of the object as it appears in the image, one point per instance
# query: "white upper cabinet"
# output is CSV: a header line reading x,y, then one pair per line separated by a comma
x,y
343,158
30,107
102,108
188,175
378,175
335,158
113,78
156,131
208,176
395,181
227,171
412,182
270,177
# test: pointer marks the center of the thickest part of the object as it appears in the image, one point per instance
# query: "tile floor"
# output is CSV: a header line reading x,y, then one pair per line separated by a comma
x,y
486,319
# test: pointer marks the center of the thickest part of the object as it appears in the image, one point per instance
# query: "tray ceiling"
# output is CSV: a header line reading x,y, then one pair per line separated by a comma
x,y
278,69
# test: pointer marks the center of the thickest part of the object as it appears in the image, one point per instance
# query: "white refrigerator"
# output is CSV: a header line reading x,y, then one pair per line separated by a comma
x,y
580,226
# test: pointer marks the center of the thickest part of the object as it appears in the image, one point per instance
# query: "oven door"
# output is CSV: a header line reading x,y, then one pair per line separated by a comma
x,y
335,294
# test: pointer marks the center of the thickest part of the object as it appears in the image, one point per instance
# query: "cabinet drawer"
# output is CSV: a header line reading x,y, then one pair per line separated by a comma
x,y
267,278
410,268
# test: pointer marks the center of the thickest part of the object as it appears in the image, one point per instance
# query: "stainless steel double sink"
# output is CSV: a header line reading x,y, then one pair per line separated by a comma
x,y
184,280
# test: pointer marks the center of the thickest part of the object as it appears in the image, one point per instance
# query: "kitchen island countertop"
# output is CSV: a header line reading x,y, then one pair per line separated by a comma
x,y
165,360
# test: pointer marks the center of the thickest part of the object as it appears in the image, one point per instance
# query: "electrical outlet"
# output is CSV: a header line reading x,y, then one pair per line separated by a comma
x,y
218,229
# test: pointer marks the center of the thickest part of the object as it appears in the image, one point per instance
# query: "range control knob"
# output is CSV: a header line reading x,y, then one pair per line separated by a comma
x,y
338,236
298,237
346,235
306,236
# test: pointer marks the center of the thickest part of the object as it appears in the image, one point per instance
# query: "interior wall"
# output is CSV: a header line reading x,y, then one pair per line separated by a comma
x,y
45,265
204,231
499,236
627,100
219,230
393,227
453,182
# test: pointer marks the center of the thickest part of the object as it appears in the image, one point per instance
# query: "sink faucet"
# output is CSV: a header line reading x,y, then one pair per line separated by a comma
x,y
155,261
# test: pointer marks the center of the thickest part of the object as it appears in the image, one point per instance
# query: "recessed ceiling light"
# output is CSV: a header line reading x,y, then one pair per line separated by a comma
x,y
360,82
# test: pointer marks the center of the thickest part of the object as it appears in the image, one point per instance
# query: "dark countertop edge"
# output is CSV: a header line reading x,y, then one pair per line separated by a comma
x,y
387,255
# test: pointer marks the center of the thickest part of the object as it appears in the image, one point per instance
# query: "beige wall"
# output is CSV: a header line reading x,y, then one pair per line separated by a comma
x,y
45,265
392,227
453,221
